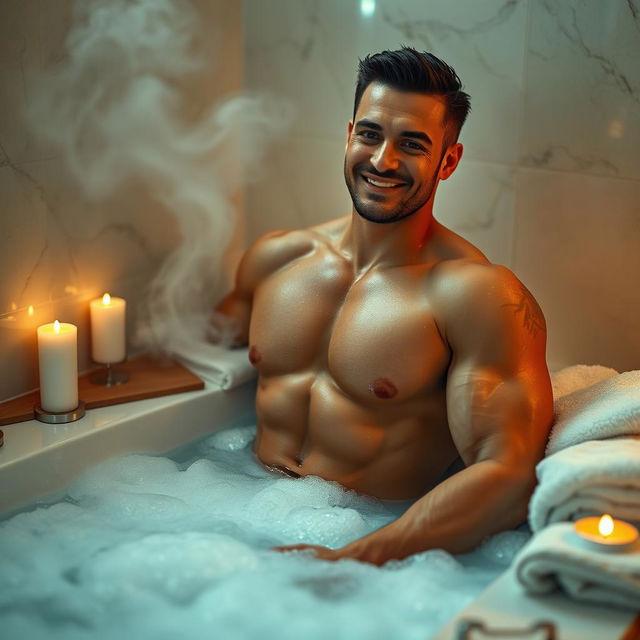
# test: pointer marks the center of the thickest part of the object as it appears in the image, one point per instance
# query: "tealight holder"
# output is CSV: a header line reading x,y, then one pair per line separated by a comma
x,y
621,539
109,377
59,418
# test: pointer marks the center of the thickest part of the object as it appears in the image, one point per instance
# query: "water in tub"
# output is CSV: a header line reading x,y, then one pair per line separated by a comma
x,y
179,547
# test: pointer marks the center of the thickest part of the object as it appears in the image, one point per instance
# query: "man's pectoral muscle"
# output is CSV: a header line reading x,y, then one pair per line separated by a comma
x,y
499,410
383,404
337,401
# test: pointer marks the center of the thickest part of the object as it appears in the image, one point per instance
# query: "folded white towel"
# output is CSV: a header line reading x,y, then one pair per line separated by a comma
x,y
591,478
578,376
226,368
555,558
607,409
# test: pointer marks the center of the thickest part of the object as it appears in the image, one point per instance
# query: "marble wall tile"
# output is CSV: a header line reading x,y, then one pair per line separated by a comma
x,y
301,185
582,107
576,248
307,51
478,202
58,249
32,34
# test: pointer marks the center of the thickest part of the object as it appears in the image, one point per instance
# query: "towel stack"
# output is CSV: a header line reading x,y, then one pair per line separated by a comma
x,y
554,559
593,456
592,467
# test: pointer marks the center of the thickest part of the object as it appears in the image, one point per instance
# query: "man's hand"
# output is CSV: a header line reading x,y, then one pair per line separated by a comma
x,y
322,553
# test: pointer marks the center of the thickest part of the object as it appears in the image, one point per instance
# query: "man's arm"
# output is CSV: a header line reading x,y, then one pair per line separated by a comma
x,y
261,259
499,410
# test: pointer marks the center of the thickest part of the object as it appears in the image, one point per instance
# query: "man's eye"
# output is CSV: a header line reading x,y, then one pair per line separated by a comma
x,y
369,135
414,146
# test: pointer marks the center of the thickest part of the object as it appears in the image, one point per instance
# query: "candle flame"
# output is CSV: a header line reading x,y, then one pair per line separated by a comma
x,y
30,310
56,327
605,525
106,299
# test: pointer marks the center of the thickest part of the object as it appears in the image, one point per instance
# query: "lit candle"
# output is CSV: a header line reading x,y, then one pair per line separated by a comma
x,y
606,534
108,344
58,363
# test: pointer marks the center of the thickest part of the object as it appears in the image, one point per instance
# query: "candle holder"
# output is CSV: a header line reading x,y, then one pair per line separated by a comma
x,y
622,538
59,418
109,377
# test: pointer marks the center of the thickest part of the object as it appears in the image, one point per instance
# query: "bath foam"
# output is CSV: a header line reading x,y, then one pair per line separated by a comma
x,y
153,547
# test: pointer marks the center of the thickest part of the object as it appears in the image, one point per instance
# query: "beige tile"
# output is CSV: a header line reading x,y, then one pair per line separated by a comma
x,y
576,248
582,99
478,203
302,184
308,52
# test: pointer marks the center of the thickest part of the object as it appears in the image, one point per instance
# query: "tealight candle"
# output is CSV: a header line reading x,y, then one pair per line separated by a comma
x,y
108,344
606,534
58,364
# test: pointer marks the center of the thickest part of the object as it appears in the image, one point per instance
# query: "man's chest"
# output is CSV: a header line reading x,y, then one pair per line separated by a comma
x,y
376,336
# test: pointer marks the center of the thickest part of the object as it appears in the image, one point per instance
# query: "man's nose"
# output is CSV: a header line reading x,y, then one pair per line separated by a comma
x,y
385,158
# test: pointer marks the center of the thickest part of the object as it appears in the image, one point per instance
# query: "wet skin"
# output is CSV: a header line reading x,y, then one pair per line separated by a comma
x,y
387,346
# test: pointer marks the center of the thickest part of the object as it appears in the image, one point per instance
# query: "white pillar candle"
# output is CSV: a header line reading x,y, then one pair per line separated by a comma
x,y
108,343
58,363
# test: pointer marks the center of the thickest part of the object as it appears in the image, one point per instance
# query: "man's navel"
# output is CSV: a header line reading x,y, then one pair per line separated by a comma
x,y
254,355
383,388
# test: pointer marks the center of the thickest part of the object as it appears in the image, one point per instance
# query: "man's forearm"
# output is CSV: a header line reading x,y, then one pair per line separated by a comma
x,y
457,515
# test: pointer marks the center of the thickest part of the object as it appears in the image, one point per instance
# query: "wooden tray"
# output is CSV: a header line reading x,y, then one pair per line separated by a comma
x,y
149,377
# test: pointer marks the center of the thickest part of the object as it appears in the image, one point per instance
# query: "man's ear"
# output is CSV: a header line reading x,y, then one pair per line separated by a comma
x,y
450,160
349,130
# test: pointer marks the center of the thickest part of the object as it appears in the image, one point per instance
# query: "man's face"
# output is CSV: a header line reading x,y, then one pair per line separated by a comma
x,y
394,153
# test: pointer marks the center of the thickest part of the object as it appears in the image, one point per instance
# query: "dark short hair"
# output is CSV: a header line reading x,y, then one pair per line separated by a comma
x,y
409,70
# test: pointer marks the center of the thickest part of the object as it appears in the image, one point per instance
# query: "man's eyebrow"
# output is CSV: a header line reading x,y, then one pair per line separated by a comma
x,y
369,124
418,135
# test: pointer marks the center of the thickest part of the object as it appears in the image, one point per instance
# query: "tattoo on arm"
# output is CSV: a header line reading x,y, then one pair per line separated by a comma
x,y
532,317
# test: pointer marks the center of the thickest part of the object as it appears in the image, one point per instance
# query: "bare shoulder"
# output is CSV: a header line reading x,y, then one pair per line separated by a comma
x,y
480,301
272,252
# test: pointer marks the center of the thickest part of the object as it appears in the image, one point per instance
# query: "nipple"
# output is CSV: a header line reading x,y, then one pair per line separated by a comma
x,y
254,355
383,388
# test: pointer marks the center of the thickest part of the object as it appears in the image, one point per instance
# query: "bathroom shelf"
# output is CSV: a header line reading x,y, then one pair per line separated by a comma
x,y
149,377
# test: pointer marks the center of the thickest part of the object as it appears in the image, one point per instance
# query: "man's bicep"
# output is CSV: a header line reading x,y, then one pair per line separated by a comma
x,y
498,390
490,415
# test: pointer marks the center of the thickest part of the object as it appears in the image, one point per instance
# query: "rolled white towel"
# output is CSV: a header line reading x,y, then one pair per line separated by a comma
x,y
606,409
226,368
590,478
554,559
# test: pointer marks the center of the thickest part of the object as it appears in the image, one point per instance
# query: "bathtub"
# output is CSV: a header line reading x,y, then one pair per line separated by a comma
x,y
39,460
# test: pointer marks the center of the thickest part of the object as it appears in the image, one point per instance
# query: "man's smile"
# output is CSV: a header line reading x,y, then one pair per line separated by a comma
x,y
382,183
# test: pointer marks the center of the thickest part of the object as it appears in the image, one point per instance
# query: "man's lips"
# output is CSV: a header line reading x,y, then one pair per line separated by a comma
x,y
382,183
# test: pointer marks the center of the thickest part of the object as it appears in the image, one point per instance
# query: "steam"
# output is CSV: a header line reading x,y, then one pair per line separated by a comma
x,y
116,110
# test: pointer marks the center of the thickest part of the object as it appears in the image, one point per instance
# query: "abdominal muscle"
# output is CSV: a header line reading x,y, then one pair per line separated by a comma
x,y
308,426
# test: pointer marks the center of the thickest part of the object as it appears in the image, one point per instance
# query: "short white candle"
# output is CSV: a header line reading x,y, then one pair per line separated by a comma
x,y
606,534
108,342
58,363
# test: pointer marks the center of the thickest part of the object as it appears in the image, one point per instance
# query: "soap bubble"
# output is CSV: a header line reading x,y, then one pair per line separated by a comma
x,y
231,439
503,547
175,566
146,547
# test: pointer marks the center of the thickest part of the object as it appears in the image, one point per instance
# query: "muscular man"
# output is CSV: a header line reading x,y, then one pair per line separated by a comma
x,y
387,346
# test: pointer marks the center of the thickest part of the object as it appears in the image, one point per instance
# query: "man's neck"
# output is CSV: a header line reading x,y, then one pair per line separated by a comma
x,y
370,244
